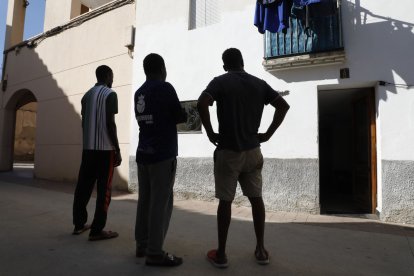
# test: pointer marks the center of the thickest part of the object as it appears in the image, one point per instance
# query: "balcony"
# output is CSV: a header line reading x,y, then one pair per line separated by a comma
x,y
309,41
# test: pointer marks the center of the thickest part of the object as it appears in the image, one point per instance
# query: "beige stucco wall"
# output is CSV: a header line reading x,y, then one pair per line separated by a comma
x,y
58,72
15,17
57,13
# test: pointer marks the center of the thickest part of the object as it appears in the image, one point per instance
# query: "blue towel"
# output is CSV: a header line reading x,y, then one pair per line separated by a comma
x,y
274,17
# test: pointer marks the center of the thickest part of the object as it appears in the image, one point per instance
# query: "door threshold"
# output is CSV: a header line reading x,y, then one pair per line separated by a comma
x,y
352,215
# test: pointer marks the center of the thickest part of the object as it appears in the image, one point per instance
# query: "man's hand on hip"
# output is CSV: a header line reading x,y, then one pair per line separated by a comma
x,y
117,158
263,137
213,137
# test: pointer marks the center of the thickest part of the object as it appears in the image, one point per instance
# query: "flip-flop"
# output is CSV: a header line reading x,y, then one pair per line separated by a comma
x,y
79,231
262,261
214,260
103,235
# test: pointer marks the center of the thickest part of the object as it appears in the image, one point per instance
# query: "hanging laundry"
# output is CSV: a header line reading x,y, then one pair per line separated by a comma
x,y
267,2
305,2
309,12
316,8
299,8
272,17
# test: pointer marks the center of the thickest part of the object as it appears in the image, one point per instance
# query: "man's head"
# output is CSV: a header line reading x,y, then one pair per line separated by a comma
x,y
104,75
154,67
233,60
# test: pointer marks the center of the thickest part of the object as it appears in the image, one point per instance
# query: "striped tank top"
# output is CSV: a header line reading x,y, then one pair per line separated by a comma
x,y
95,105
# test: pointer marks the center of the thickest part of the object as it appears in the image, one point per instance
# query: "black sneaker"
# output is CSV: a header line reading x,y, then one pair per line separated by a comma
x,y
164,260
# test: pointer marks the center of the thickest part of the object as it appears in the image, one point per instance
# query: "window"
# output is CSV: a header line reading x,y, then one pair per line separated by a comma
x,y
203,13
83,6
78,8
84,9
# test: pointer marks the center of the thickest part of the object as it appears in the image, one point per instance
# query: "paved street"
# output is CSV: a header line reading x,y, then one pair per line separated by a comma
x,y
35,220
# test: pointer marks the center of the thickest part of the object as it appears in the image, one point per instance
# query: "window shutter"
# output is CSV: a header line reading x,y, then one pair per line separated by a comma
x,y
212,12
203,13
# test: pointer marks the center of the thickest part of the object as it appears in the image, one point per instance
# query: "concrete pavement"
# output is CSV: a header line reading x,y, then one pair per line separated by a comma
x,y
35,221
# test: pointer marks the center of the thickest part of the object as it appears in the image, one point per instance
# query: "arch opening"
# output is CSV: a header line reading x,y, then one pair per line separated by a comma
x,y
18,133
25,133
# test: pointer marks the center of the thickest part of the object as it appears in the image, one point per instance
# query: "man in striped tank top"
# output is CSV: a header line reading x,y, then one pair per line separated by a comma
x,y
100,155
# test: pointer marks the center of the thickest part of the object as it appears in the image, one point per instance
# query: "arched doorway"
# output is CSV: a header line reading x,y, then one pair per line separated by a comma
x,y
18,131
25,134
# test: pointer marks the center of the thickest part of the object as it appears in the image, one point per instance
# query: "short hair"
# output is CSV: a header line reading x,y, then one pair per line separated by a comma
x,y
153,64
102,72
232,58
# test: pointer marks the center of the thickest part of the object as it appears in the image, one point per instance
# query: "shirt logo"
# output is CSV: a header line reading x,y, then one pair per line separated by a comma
x,y
141,104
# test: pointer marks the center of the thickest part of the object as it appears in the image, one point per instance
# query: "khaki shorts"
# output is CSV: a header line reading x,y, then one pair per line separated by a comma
x,y
245,167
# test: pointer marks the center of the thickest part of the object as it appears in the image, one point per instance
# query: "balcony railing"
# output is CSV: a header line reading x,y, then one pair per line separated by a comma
x,y
311,34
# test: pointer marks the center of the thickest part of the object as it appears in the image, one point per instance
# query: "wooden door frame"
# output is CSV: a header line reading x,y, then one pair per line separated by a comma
x,y
373,147
371,113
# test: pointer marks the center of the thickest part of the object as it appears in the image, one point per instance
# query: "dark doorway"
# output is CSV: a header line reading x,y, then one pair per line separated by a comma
x,y
347,151
25,133
23,113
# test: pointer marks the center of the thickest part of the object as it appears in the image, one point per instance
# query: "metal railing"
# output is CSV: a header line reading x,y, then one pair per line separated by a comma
x,y
306,35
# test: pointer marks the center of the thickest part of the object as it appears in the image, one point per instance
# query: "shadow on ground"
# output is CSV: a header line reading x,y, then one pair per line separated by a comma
x,y
36,240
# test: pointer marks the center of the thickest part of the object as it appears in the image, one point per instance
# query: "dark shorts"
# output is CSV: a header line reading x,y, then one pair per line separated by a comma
x,y
244,167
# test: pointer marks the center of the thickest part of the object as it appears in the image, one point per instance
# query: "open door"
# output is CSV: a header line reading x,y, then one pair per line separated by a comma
x,y
364,152
347,151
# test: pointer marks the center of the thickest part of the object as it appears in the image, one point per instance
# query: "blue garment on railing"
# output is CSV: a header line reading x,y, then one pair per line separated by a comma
x,y
305,2
309,12
268,2
299,8
272,17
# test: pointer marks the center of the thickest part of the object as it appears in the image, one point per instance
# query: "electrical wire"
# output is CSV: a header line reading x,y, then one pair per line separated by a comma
x,y
399,85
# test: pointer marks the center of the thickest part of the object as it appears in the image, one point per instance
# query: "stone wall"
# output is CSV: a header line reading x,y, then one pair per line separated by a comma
x,y
288,184
398,191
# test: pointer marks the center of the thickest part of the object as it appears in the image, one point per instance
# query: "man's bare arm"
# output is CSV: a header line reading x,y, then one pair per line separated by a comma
x,y
112,132
204,101
282,108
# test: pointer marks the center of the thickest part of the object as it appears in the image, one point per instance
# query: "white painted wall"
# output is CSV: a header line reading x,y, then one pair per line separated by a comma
x,y
193,58
57,13
380,49
378,45
376,49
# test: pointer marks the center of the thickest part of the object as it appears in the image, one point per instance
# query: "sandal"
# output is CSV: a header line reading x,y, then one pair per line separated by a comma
x,y
166,259
103,235
78,231
261,260
215,260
